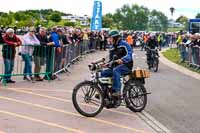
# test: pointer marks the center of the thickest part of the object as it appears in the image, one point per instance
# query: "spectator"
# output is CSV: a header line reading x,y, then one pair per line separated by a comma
x,y
129,40
85,41
1,37
54,37
168,39
134,38
159,40
102,41
63,37
174,37
98,39
182,48
27,51
38,28
69,37
125,35
78,40
164,42
179,39
80,44
92,39
64,43
145,38
195,49
9,51
71,45
105,39
76,36
40,52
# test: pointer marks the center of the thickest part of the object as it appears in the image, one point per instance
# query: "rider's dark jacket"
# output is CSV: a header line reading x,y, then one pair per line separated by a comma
x,y
152,43
122,51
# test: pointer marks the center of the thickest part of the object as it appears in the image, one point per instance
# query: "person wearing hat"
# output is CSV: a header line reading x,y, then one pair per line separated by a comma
x,y
61,57
9,50
54,37
29,41
121,52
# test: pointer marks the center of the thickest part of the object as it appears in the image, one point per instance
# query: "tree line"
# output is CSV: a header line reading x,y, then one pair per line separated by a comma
x,y
135,17
46,17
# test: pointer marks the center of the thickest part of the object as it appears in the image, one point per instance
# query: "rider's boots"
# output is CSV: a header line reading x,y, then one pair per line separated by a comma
x,y
117,99
117,102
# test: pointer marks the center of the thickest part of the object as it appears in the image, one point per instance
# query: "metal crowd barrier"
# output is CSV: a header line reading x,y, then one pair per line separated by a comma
x,y
41,60
71,54
25,60
192,55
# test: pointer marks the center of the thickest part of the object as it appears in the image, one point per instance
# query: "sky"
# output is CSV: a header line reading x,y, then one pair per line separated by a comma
x,y
188,8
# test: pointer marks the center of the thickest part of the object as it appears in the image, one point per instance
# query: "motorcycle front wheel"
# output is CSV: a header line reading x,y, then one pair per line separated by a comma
x,y
84,100
155,65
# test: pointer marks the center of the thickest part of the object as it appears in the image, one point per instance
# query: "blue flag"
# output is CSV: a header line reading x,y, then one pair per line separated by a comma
x,y
96,22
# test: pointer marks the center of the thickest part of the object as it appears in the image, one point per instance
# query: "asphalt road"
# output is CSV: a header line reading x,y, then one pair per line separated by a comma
x,y
175,98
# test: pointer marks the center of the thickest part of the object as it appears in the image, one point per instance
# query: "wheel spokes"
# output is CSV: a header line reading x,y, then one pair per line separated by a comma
x,y
136,96
86,100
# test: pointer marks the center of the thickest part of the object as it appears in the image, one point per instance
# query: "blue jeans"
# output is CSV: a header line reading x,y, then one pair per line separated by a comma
x,y
28,64
8,65
116,74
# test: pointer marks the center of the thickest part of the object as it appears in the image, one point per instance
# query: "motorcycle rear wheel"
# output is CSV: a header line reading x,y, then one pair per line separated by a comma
x,y
135,96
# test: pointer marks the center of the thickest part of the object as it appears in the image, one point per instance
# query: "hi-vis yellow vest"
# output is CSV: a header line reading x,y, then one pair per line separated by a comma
x,y
179,40
159,38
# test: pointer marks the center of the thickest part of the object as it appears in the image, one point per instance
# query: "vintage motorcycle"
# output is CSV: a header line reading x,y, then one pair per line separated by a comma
x,y
90,97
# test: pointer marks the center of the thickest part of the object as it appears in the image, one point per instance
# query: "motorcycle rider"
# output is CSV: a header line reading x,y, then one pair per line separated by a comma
x,y
151,44
121,52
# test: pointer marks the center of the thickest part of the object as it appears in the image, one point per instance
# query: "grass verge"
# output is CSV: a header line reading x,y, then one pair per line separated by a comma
x,y
174,56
